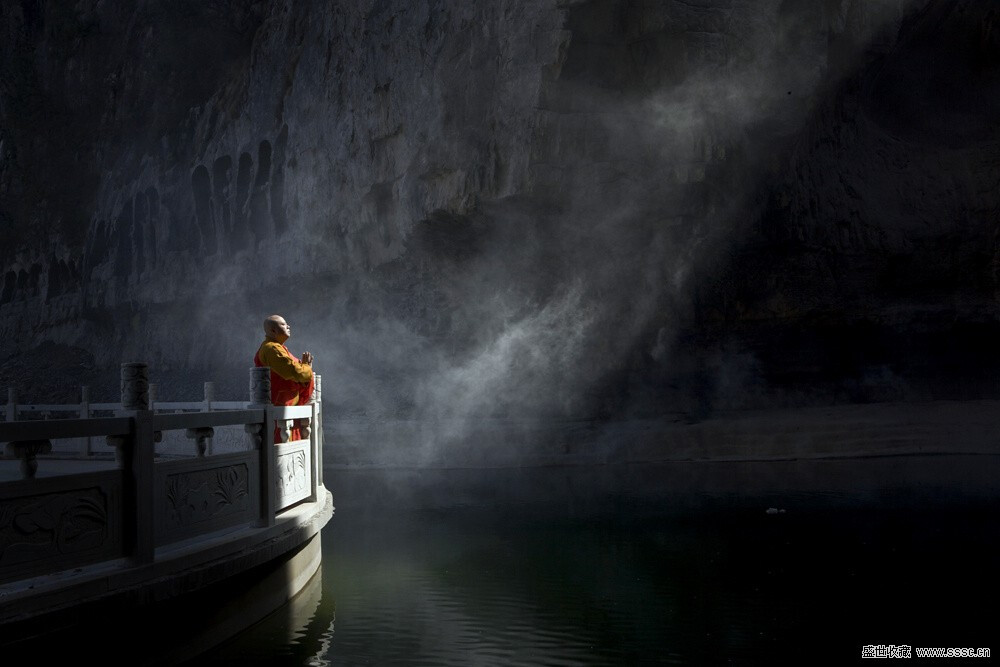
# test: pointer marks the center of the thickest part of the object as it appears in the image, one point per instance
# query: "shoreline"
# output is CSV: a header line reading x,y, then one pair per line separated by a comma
x,y
834,432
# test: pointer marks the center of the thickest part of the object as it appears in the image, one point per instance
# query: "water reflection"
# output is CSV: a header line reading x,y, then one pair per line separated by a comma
x,y
677,564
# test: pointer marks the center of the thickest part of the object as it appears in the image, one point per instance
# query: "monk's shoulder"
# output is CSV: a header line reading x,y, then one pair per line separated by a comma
x,y
270,347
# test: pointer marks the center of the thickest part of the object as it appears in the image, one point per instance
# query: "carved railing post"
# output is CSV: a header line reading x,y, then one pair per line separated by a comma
x,y
318,428
313,440
26,450
262,437
11,404
260,397
137,458
260,386
135,386
209,396
152,397
86,445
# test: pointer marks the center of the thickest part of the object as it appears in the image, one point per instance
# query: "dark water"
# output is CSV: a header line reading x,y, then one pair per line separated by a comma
x,y
670,564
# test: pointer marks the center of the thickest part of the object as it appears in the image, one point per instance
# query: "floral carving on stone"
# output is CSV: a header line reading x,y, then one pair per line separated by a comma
x,y
52,524
292,477
231,486
193,497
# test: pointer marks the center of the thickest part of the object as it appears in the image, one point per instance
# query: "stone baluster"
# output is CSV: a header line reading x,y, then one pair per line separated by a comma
x,y
119,443
26,450
203,439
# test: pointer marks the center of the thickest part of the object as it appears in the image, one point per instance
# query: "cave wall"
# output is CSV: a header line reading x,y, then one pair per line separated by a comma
x,y
588,207
871,271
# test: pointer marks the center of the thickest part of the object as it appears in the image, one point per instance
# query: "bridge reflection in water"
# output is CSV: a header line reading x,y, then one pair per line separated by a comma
x,y
696,563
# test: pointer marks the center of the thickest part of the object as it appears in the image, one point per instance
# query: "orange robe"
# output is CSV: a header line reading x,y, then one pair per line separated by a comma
x,y
291,380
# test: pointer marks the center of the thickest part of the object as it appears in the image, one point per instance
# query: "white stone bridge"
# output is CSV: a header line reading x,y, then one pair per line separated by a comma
x,y
140,523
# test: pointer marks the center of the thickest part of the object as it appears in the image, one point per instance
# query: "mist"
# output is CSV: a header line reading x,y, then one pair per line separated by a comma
x,y
546,218
539,307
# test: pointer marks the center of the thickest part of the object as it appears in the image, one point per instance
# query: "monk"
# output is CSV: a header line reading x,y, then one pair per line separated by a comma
x,y
291,378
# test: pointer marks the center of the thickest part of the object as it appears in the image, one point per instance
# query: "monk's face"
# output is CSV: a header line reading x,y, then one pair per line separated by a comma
x,y
279,329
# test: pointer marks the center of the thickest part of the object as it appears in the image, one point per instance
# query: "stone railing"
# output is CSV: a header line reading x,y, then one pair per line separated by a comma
x,y
76,515
86,409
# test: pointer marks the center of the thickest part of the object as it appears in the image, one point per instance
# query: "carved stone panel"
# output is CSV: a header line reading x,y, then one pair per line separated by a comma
x,y
294,467
201,495
60,528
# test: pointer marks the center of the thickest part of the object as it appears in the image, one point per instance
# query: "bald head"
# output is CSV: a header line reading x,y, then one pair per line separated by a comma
x,y
276,328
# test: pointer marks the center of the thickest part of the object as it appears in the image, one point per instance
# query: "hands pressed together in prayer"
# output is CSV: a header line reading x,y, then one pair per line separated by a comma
x,y
307,358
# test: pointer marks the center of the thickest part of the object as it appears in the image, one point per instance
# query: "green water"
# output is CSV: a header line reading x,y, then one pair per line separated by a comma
x,y
678,564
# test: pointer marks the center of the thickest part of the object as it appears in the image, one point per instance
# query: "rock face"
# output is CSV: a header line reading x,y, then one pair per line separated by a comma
x,y
573,208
